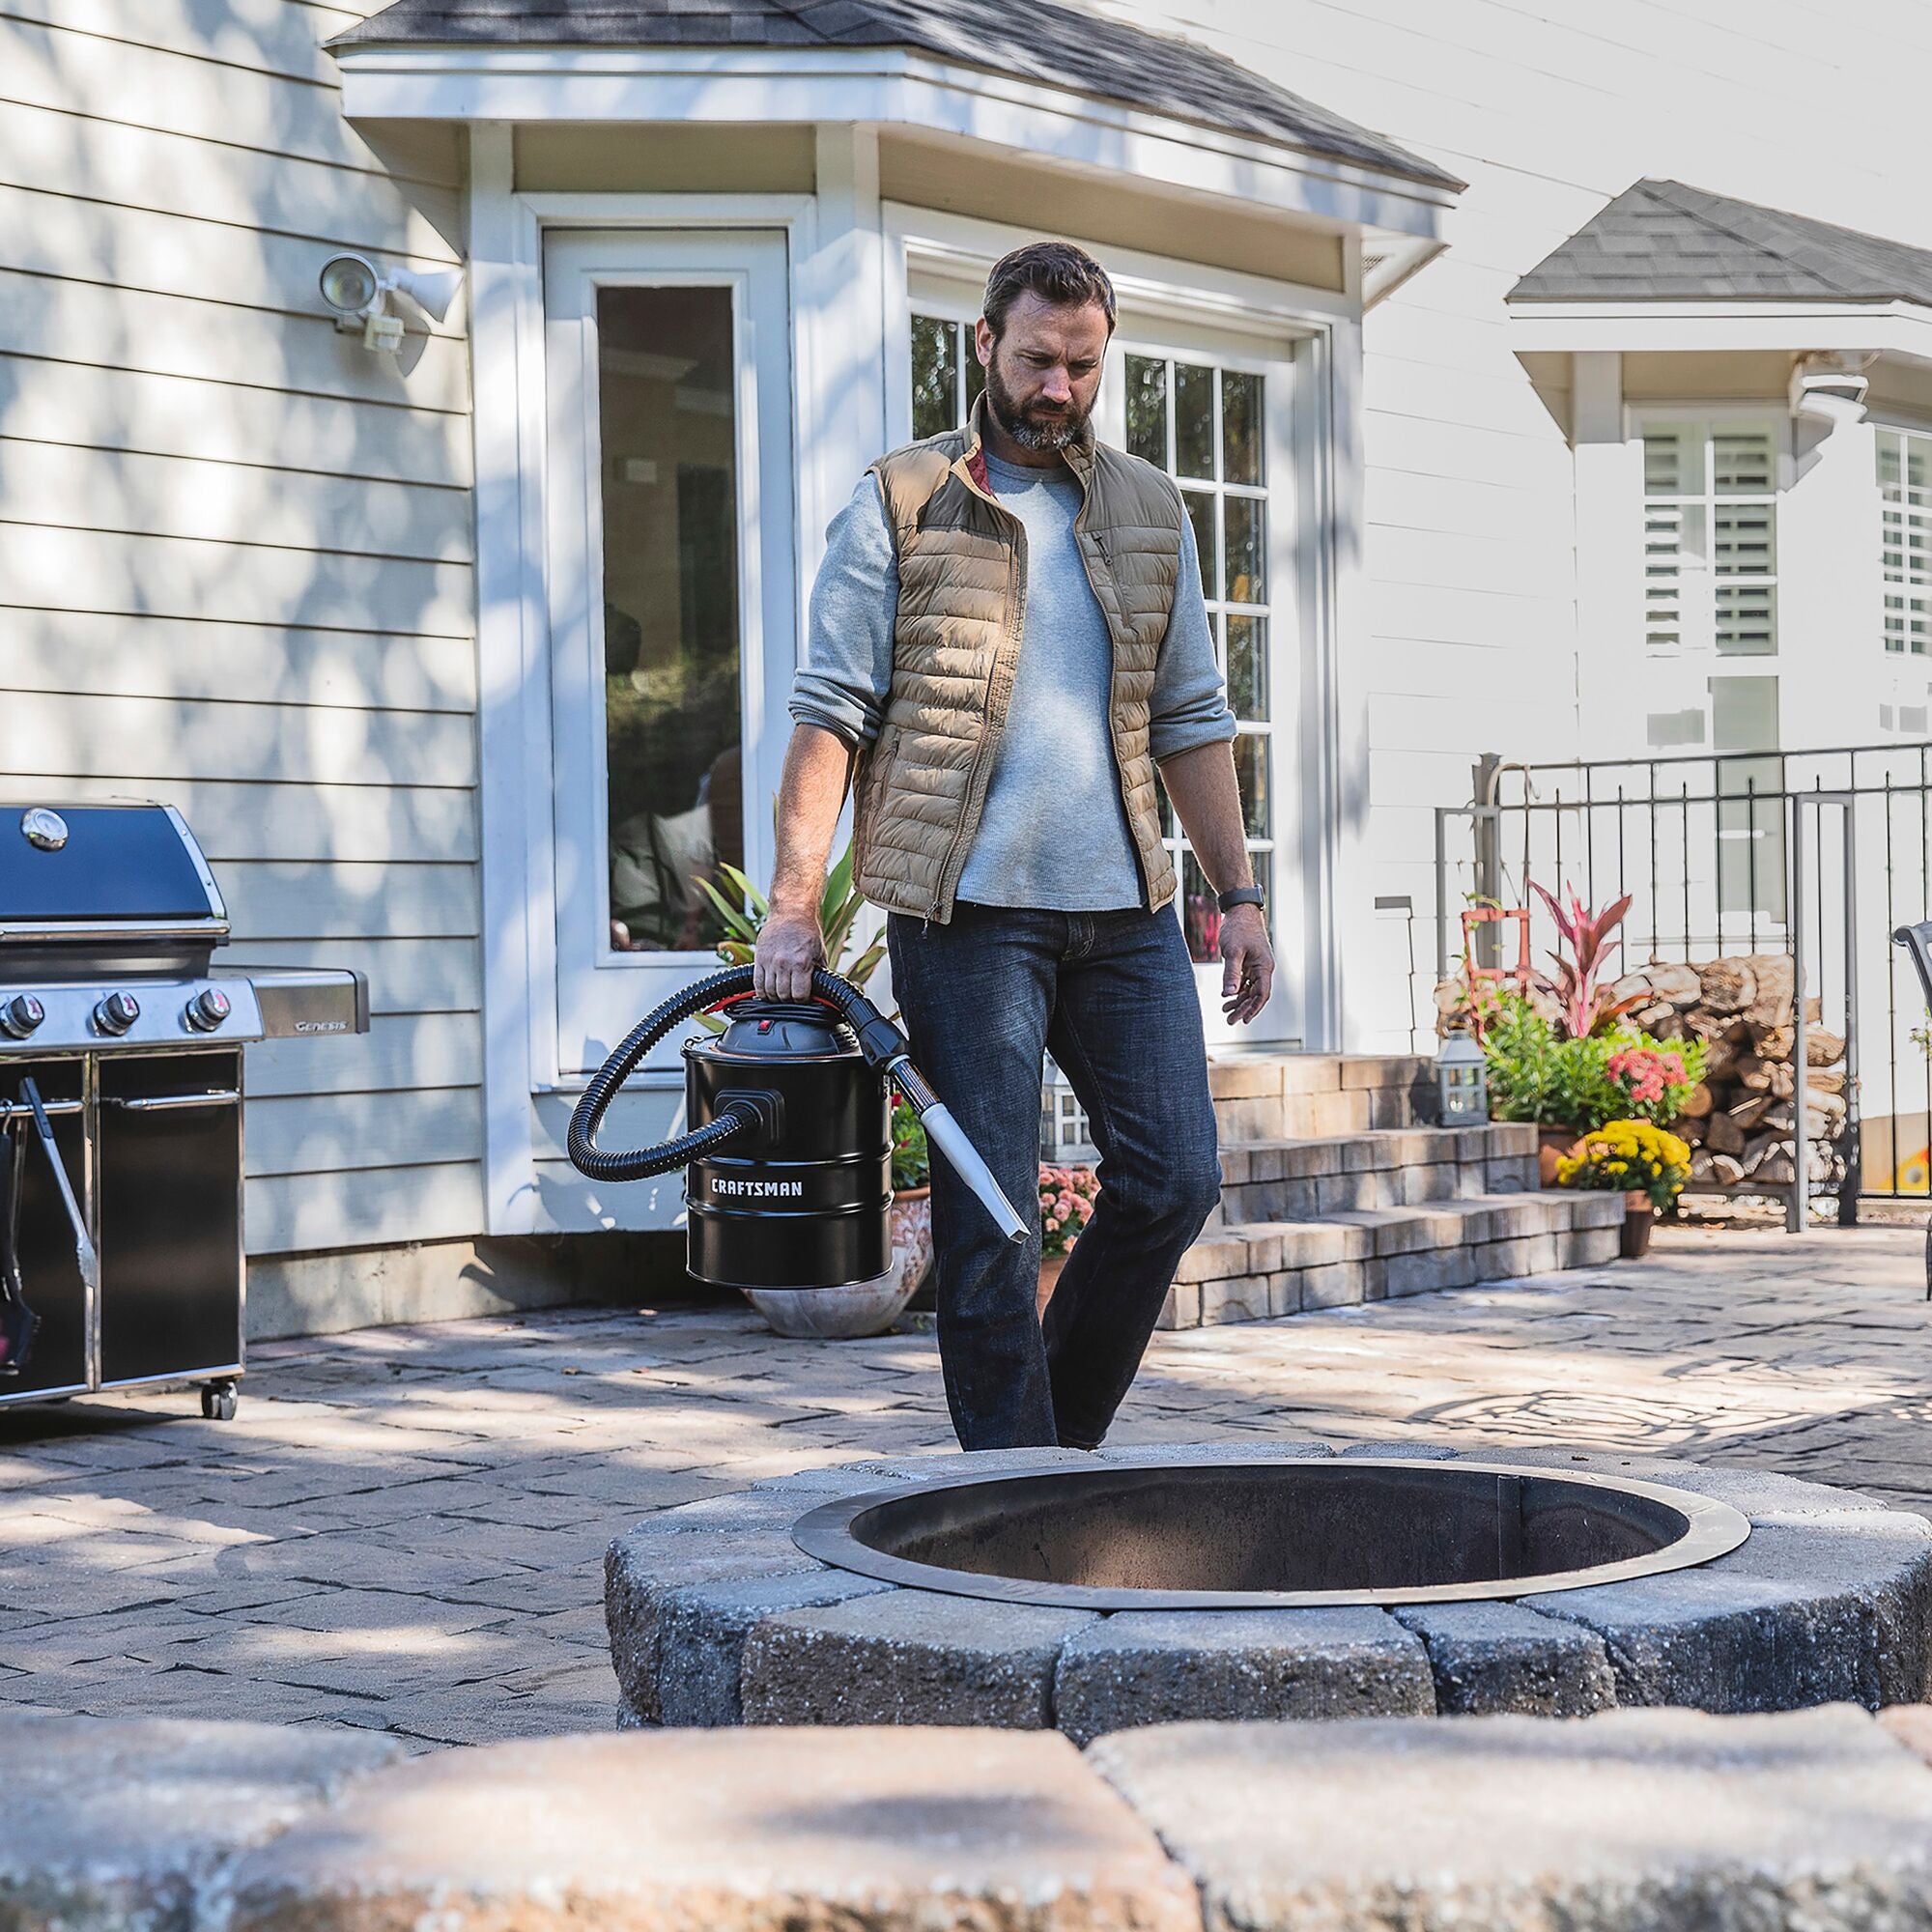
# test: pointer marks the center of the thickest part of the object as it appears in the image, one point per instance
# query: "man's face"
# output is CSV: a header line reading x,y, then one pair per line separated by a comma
x,y
1043,373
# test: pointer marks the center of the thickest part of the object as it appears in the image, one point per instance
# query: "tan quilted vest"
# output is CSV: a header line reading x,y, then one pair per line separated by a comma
x,y
922,784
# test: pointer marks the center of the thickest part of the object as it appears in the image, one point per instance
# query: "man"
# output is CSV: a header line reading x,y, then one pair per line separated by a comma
x,y
1009,628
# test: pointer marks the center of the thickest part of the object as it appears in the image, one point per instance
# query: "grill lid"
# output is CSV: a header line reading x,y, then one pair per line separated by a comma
x,y
129,866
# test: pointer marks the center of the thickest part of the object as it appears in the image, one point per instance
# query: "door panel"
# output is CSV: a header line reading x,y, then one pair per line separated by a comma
x,y
672,606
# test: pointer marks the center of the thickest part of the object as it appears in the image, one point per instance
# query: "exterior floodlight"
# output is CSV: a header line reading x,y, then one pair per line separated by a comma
x,y
360,297
350,287
432,292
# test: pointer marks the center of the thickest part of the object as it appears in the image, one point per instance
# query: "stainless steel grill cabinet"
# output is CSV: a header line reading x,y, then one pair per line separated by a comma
x,y
121,1100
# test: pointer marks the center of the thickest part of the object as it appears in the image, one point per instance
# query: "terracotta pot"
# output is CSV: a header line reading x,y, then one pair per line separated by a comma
x,y
1049,1274
1639,1217
1551,1143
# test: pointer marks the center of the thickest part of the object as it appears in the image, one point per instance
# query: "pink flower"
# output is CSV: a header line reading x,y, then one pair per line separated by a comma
x,y
1067,1244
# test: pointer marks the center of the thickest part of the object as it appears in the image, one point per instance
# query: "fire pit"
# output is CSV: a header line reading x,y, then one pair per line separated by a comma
x,y
1045,1588
1230,1535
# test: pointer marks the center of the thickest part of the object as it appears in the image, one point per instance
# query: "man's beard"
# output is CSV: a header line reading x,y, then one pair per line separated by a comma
x,y
1054,431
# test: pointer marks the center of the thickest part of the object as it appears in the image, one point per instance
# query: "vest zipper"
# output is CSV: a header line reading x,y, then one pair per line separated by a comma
x,y
992,678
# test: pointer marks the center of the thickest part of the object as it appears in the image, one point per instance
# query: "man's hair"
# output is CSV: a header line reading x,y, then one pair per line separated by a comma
x,y
1056,272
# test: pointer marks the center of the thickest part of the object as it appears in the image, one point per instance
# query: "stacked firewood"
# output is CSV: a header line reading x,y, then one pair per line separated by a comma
x,y
1739,1118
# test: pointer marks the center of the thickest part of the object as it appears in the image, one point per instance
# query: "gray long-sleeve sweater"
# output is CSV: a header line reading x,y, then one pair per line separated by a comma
x,y
1053,831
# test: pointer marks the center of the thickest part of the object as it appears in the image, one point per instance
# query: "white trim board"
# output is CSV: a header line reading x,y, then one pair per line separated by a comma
x,y
1636,327
881,87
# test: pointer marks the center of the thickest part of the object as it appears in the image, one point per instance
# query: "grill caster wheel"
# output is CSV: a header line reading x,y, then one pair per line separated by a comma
x,y
217,1402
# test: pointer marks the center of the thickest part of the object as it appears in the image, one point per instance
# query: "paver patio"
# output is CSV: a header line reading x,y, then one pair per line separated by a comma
x,y
404,1527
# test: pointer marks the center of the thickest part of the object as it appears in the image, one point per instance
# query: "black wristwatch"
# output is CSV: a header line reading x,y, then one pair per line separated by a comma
x,y
1241,895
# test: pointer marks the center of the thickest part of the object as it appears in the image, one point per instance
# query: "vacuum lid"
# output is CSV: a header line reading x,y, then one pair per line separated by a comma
x,y
785,1030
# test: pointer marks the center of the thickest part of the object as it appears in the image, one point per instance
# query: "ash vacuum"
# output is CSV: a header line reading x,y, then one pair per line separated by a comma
x,y
788,1153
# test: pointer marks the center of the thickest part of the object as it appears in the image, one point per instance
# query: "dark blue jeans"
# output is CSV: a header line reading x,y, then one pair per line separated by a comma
x,y
1111,995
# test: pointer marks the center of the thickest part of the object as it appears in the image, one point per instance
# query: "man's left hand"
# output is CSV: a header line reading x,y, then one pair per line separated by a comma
x,y
1248,974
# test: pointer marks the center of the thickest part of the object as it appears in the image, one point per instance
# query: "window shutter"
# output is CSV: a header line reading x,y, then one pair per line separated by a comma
x,y
1710,539
1905,491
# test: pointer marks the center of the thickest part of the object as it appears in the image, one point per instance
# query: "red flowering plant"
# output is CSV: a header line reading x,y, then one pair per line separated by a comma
x,y
1067,1197
1655,1078
1586,1005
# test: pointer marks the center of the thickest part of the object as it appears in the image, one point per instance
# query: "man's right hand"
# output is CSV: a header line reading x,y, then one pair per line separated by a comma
x,y
790,946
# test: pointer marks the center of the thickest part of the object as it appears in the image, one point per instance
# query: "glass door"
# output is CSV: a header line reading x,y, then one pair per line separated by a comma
x,y
671,604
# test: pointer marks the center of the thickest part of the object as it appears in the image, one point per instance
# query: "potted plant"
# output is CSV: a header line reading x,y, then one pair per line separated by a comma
x,y
912,1194
866,1307
1643,1162
1067,1197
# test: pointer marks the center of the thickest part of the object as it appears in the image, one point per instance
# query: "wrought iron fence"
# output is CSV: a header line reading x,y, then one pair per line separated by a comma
x,y
1815,855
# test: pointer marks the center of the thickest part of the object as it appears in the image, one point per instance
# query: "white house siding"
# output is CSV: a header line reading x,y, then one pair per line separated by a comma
x,y
235,552
1547,111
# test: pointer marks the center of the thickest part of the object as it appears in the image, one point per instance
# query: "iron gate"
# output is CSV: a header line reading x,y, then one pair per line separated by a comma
x,y
1818,855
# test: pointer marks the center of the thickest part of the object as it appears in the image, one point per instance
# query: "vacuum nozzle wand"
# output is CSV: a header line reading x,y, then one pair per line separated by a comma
x,y
946,1133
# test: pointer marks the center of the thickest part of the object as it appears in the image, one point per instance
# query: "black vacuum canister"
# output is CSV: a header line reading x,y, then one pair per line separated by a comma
x,y
805,1198
787,1141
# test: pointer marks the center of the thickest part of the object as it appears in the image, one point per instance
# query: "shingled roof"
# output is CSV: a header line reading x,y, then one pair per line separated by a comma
x,y
1039,41
1662,242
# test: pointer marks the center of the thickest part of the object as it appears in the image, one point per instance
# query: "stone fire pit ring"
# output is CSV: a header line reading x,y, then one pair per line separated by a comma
x,y
725,1611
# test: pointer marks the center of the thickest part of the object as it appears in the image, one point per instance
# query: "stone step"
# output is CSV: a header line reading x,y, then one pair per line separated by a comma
x,y
1250,1270
1317,1095
1296,1179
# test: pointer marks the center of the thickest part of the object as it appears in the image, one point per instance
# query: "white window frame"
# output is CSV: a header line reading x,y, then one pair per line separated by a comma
x,y
1680,679
937,263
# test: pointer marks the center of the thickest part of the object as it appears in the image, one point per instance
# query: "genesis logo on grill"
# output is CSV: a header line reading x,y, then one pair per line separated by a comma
x,y
321,1026
760,1187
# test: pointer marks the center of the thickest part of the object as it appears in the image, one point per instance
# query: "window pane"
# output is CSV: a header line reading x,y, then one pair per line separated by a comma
x,y
1193,421
1200,911
1201,514
976,374
1251,768
1146,408
1673,460
1742,463
1247,566
668,407
1744,714
1747,625
935,376
1240,428
1165,807
1248,666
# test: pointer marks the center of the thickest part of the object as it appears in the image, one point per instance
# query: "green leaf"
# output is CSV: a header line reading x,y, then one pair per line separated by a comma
x,y
838,928
746,888
838,882
734,919
861,968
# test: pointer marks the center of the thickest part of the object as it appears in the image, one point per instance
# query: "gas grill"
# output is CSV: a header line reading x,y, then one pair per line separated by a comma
x,y
121,1252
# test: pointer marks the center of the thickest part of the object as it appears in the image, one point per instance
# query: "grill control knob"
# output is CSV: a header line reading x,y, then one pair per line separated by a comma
x,y
117,1012
207,1009
20,1016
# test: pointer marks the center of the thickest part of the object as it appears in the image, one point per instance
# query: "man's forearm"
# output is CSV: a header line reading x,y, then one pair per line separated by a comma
x,y
1207,798
812,791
